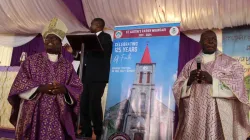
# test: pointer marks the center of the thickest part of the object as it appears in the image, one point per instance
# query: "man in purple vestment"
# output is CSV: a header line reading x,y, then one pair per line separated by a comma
x,y
212,101
45,95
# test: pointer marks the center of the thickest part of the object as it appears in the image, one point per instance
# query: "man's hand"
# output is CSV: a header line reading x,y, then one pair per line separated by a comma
x,y
194,76
52,88
47,88
206,77
68,48
58,88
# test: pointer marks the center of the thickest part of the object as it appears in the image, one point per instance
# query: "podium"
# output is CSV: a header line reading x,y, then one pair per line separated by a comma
x,y
84,43
87,42
90,41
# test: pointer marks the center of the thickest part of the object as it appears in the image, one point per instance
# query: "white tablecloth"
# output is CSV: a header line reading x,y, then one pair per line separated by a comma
x,y
7,76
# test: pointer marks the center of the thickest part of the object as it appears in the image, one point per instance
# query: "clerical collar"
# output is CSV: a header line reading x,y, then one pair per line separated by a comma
x,y
53,57
208,57
97,33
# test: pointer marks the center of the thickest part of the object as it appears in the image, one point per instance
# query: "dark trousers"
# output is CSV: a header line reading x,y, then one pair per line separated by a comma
x,y
91,108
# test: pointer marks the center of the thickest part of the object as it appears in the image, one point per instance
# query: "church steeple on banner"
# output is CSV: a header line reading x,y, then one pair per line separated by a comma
x,y
146,57
140,103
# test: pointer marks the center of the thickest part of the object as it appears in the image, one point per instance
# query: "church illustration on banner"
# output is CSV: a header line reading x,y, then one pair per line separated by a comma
x,y
141,116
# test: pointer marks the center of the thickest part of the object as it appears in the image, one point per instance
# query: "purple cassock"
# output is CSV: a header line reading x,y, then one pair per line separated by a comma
x,y
45,116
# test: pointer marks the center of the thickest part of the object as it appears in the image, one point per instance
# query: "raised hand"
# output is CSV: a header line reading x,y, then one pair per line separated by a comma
x,y
68,48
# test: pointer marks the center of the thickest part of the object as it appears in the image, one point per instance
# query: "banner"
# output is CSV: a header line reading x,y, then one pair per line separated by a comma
x,y
236,43
140,103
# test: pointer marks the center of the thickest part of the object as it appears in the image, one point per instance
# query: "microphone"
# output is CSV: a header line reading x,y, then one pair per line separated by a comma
x,y
198,61
23,57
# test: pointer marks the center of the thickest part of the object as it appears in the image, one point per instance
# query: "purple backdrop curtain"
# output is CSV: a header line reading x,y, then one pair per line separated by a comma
x,y
76,8
34,46
188,49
